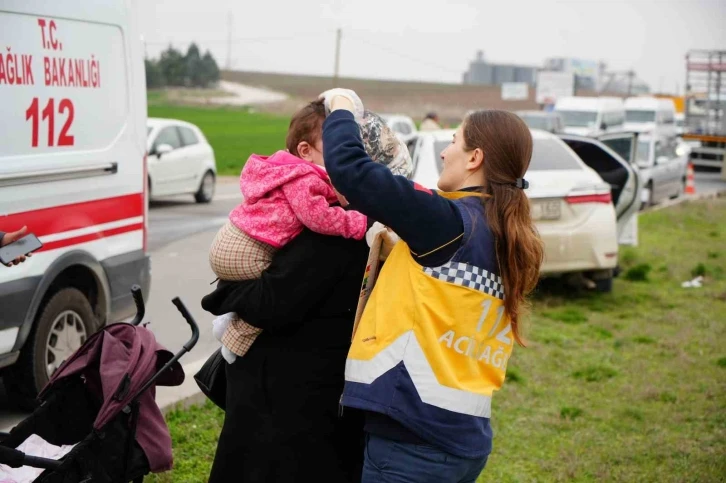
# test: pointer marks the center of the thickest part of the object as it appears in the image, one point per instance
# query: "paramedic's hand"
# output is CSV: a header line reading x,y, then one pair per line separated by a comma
x,y
9,238
343,99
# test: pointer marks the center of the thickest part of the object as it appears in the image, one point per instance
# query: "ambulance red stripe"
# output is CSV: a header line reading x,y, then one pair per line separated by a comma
x,y
91,237
59,219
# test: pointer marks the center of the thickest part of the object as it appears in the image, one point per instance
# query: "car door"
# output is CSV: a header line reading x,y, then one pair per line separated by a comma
x,y
426,166
194,159
662,171
614,169
165,179
673,172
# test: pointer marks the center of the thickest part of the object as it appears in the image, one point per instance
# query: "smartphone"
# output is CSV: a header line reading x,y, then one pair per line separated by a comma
x,y
24,246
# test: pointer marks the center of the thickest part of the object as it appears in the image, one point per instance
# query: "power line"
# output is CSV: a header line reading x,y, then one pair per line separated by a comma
x,y
406,56
291,38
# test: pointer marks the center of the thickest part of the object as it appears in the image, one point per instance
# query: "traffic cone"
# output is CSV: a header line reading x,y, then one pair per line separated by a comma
x,y
690,180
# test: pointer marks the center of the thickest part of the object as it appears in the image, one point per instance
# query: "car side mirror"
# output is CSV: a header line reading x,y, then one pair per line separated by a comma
x,y
162,149
603,126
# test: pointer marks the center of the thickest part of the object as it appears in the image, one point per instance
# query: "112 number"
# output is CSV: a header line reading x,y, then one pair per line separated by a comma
x,y
34,114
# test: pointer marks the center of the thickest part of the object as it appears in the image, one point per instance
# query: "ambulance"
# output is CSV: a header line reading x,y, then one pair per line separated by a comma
x,y
73,170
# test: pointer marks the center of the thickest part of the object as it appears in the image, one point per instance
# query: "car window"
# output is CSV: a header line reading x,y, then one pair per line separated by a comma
x,y
640,116
170,136
620,145
578,118
614,119
536,122
549,154
401,127
665,148
188,136
642,156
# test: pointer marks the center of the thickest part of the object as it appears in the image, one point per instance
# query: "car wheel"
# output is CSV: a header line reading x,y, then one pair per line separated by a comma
x,y
604,285
651,196
63,325
681,189
602,280
206,188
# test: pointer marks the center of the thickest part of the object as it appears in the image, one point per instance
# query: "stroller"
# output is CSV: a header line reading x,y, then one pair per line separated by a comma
x,y
102,400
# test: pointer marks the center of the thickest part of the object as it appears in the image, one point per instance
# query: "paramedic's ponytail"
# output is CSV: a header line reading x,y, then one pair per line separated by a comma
x,y
507,145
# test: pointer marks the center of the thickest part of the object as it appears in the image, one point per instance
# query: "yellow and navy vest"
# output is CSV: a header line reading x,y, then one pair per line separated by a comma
x,y
434,342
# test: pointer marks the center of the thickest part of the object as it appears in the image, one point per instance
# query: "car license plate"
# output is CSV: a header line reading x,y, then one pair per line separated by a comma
x,y
546,210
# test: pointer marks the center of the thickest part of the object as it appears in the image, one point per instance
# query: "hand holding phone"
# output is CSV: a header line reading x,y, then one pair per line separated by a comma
x,y
14,247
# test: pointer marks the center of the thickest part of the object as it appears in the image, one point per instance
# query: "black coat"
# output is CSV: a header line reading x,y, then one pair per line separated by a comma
x,y
282,422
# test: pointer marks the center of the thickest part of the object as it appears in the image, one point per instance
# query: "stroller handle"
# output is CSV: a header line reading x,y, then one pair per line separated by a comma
x,y
139,301
190,320
187,347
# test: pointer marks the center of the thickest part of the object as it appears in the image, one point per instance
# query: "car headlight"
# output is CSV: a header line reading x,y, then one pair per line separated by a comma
x,y
683,150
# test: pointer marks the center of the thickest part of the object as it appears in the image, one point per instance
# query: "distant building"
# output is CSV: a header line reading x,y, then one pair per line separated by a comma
x,y
587,72
591,75
482,73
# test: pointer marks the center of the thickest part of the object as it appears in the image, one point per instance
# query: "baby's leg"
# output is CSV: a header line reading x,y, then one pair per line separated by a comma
x,y
234,255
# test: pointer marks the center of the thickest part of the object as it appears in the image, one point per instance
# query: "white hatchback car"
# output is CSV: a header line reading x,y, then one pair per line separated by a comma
x,y
180,160
403,126
583,195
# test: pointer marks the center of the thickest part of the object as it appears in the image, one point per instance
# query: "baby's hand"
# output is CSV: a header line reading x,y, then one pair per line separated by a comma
x,y
341,198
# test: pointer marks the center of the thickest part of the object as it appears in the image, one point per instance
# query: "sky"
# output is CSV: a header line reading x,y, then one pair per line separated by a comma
x,y
426,40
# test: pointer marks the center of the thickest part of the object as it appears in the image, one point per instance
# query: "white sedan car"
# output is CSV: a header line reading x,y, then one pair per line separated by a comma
x,y
180,160
583,194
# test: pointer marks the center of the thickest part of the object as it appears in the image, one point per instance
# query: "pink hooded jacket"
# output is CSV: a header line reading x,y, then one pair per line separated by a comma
x,y
283,193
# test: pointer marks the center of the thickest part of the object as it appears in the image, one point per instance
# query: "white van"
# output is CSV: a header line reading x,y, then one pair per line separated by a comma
x,y
73,170
648,114
591,116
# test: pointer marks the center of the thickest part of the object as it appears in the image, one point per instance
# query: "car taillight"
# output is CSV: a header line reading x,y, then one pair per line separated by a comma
x,y
578,198
146,203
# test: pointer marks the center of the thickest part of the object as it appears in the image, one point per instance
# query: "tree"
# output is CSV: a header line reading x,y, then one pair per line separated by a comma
x,y
194,69
172,66
176,70
154,77
210,68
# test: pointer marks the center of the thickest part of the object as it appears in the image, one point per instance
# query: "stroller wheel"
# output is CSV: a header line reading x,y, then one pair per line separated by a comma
x,y
63,325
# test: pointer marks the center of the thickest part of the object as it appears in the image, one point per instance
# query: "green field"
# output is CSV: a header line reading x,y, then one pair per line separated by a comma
x,y
623,387
234,133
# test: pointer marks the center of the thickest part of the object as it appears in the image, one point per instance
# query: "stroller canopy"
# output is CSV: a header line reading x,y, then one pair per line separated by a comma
x,y
116,362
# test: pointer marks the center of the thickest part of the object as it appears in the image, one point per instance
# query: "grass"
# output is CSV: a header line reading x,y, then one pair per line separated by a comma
x,y
195,432
628,386
234,133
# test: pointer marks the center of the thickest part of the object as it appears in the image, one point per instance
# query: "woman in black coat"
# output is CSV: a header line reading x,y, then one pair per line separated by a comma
x,y
282,421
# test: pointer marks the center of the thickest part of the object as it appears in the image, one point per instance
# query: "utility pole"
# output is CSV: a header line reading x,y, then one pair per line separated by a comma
x,y
337,58
229,41
631,74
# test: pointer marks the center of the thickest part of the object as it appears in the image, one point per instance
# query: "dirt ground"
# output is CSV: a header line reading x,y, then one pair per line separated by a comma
x,y
450,101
